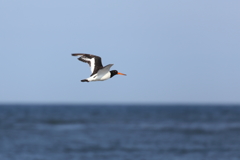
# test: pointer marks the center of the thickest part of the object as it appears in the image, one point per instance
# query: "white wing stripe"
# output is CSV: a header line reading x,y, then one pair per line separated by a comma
x,y
92,62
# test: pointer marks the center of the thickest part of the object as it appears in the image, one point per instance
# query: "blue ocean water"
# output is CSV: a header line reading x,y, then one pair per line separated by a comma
x,y
119,132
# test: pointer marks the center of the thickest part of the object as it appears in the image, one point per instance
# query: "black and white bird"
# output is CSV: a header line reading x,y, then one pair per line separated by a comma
x,y
99,73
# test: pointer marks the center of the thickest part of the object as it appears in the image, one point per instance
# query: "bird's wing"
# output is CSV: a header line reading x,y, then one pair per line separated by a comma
x,y
95,62
105,69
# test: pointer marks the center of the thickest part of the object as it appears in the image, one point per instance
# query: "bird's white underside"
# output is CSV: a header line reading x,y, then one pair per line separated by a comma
x,y
98,77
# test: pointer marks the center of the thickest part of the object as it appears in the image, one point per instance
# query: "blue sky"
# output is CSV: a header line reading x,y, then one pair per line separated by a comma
x,y
172,51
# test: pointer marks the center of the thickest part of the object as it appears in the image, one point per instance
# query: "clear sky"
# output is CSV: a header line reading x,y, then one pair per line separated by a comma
x,y
172,51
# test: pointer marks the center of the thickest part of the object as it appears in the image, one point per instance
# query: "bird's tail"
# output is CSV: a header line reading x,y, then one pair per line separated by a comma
x,y
84,80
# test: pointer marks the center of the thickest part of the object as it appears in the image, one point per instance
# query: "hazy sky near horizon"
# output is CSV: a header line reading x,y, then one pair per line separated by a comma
x,y
172,51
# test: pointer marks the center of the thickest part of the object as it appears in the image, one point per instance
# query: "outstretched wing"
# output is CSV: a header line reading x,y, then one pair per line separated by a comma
x,y
95,62
105,69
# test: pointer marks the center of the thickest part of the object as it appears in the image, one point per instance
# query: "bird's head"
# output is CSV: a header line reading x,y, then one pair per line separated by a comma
x,y
115,72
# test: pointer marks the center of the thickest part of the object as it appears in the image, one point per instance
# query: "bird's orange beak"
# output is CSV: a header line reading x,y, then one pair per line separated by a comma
x,y
121,74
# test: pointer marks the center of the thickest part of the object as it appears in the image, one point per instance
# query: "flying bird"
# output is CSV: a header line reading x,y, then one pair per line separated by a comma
x,y
99,73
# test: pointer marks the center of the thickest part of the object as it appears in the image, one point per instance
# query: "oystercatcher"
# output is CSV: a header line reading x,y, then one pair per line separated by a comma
x,y
99,73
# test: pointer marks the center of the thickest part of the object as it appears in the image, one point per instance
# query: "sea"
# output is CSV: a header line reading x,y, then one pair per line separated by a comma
x,y
119,132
